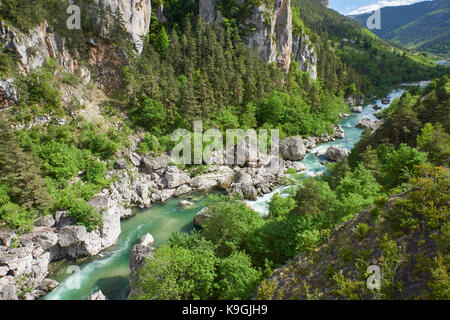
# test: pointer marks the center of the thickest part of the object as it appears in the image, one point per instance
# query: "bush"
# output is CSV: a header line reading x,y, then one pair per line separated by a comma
x,y
362,230
236,278
230,223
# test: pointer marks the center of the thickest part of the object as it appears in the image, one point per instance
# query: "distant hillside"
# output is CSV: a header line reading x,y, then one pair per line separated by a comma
x,y
422,26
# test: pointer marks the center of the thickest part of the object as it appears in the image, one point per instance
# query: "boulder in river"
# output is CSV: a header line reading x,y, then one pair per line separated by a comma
x,y
364,123
201,217
293,148
385,101
339,132
185,204
357,109
98,296
336,154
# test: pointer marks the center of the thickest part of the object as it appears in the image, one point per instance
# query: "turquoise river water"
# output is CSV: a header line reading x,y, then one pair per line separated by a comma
x,y
109,272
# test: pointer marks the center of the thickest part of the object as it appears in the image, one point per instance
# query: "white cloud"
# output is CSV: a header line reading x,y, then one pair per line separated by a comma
x,y
383,3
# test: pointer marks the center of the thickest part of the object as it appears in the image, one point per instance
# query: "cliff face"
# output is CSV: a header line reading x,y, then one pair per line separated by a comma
x,y
326,3
272,34
136,15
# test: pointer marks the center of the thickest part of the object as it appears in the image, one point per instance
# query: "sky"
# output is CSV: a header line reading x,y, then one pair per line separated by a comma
x,y
360,6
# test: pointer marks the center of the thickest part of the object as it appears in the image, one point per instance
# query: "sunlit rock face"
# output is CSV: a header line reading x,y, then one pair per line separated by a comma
x,y
326,3
136,15
272,34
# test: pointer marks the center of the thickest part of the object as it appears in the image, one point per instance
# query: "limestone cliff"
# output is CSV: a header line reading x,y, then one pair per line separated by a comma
x,y
271,34
136,15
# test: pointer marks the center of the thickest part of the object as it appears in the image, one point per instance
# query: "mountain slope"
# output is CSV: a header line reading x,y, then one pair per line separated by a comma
x,y
411,255
423,26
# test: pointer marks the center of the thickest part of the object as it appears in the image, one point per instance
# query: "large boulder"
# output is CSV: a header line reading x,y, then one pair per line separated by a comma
x,y
45,221
357,109
339,132
336,154
249,192
201,217
6,237
98,296
48,285
8,290
243,177
151,164
175,178
293,148
364,123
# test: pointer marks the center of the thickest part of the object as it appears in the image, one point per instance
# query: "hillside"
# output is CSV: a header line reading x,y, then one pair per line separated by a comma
x,y
412,253
421,26
404,234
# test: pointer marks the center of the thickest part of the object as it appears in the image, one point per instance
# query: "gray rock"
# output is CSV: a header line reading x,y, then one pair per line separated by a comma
x,y
45,221
339,132
185,204
147,240
243,178
3,271
120,164
357,109
385,101
8,290
201,217
249,192
293,148
62,219
6,236
182,190
151,164
364,123
72,235
44,237
136,17
336,154
138,255
48,285
175,178
98,296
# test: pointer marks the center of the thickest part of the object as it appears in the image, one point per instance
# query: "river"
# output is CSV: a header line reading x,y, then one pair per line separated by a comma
x,y
109,272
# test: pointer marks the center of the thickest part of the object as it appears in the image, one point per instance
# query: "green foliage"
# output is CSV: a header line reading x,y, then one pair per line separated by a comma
x,y
176,273
229,224
280,206
399,165
237,278
362,230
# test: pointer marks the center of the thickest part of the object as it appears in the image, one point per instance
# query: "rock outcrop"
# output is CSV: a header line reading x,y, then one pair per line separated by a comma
x,y
98,296
364,123
139,253
8,94
336,154
272,34
136,16
201,217
293,148
39,44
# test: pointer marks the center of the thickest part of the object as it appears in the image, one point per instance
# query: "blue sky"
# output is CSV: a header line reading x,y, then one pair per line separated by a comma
x,y
360,6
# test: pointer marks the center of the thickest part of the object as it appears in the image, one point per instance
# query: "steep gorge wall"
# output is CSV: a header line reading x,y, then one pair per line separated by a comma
x,y
136,15
272,34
